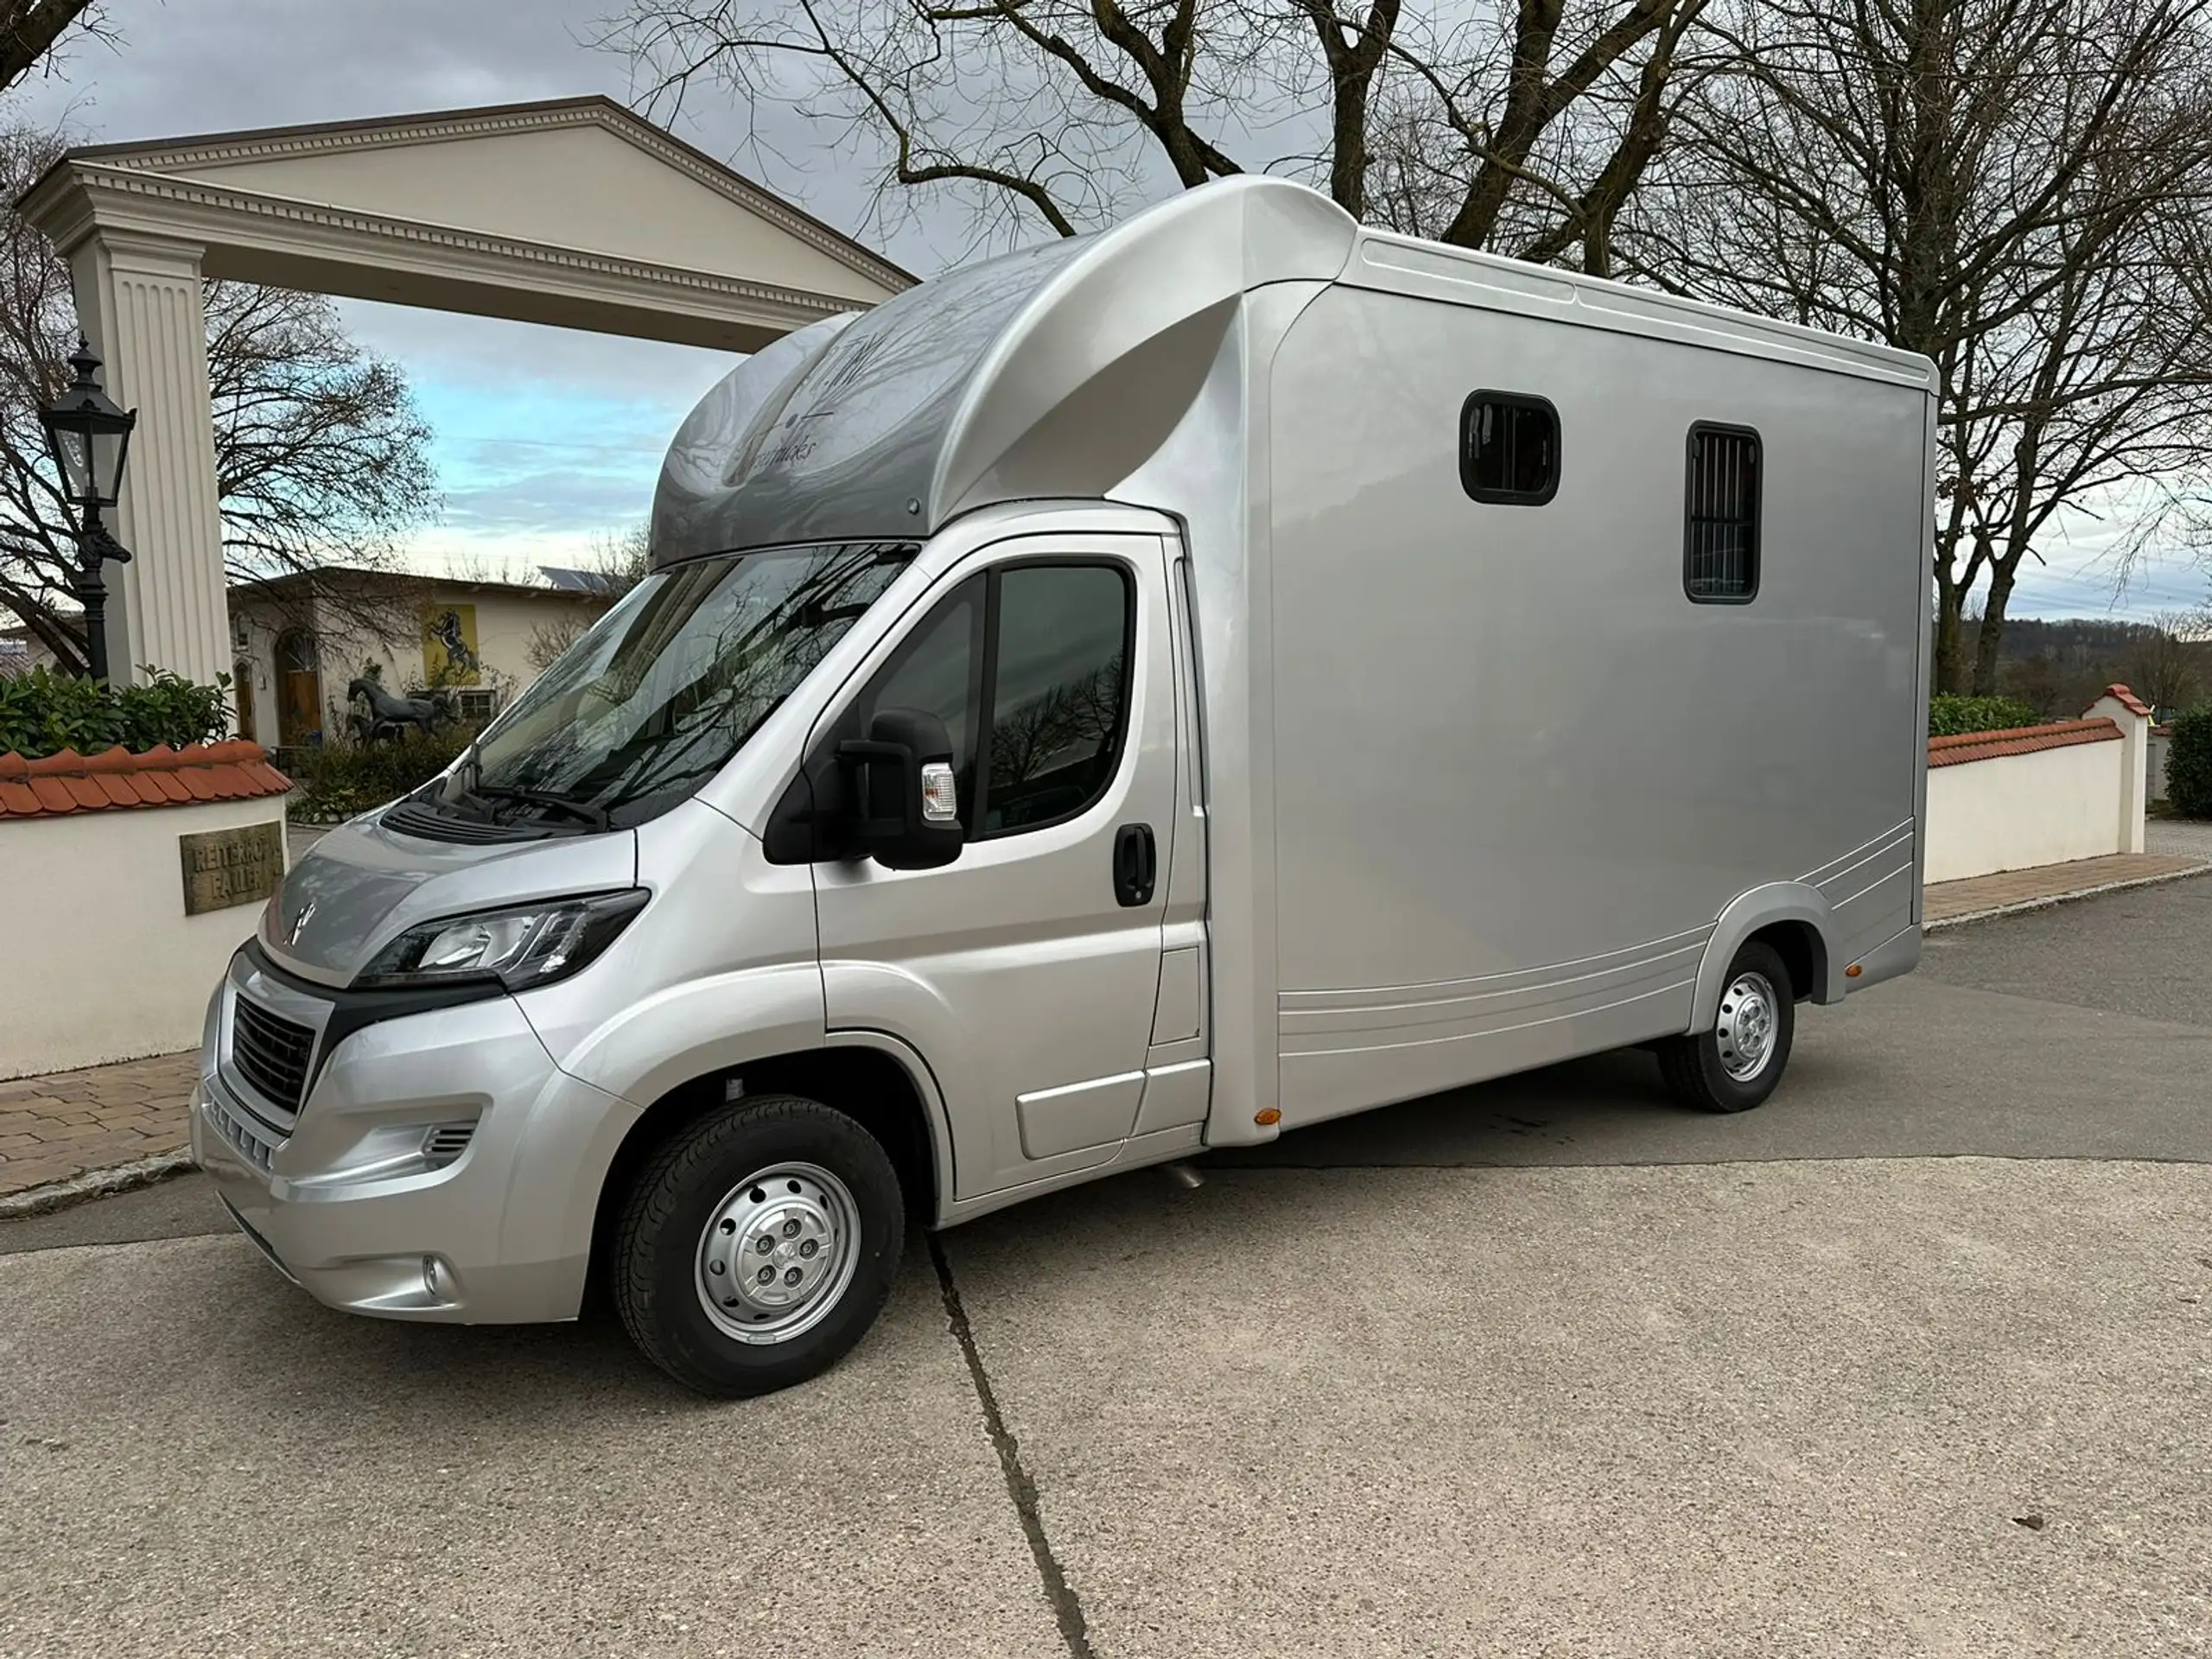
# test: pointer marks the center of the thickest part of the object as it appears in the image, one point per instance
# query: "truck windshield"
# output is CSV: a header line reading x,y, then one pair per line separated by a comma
x,y
667,686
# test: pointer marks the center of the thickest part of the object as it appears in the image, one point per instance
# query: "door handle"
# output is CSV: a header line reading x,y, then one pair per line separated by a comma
x,y
1135,864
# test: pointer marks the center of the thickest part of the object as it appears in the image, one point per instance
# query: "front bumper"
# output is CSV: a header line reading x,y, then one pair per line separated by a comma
x,y
344,1202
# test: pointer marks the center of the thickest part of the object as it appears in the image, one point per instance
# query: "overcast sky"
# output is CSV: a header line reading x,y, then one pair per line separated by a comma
x,y
548,441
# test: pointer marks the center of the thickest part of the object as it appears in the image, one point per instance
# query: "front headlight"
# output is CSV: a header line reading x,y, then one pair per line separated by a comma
x,y
525,946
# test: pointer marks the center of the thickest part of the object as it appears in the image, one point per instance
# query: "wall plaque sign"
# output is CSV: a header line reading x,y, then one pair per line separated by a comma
x,y
223,868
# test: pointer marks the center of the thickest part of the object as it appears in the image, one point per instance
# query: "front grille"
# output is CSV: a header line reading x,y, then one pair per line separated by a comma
x,y
249,1139
270,1053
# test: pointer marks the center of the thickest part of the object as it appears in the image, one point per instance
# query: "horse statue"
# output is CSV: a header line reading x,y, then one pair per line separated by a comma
x,y
389,716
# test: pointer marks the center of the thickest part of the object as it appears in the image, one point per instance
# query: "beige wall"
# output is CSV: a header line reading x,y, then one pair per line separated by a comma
x,y
583,187
104,964
2024,810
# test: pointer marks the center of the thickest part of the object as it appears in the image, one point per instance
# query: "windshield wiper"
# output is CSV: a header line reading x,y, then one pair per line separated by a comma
x,y
589,811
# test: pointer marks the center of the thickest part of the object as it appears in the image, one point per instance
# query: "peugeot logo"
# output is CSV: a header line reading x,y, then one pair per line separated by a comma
x,y
299,924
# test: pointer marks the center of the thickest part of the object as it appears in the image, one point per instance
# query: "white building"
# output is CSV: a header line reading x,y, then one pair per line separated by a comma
x,y
298,643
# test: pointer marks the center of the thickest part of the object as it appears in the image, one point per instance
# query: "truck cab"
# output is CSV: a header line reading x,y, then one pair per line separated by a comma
x,y
455,1050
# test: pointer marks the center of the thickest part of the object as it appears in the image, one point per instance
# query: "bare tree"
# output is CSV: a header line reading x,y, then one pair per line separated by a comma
x,y
2163,669
321,456
1061,725
2019,189
30,29
1517,125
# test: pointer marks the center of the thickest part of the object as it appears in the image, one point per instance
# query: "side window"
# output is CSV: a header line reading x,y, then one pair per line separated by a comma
x,y
1720,530
1057,690
1509,448
1027,664
939,669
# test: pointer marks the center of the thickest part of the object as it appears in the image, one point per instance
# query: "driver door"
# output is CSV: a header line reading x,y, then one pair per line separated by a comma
x,y
1025,973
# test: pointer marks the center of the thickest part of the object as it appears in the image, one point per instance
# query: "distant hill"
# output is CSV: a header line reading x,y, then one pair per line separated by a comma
x,y
2028,636
2060,664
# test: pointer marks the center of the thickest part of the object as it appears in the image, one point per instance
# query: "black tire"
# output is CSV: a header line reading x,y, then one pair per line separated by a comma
x,y
1696,1068
680,1193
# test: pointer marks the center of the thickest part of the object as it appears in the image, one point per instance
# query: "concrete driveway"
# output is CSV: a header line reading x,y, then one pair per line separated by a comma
x,y
1916,1360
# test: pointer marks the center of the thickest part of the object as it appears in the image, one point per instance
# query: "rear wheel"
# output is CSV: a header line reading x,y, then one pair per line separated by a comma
x,y
1734,1064
758,1246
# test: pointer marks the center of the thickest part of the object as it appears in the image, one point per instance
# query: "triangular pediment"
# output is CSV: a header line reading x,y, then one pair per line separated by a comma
x,y
583,174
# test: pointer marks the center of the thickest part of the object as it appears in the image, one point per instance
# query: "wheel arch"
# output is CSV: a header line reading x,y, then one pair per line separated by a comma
x,y
875,1078
1792,916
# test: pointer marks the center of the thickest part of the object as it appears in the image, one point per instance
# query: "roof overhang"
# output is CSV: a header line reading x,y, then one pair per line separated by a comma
x,y
574,213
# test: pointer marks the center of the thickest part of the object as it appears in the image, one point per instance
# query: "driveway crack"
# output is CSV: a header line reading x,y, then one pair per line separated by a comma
x,y
1067,1610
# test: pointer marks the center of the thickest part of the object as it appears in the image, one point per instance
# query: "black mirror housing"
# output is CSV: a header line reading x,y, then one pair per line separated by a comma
x,y
906,816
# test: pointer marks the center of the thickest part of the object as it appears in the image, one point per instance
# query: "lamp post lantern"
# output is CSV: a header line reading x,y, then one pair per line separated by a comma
x,y
90,437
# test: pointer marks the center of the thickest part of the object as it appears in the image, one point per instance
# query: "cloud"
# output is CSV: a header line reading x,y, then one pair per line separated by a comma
x,y
539,430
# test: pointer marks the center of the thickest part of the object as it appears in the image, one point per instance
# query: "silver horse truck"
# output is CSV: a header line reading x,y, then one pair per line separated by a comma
x,y
1140,694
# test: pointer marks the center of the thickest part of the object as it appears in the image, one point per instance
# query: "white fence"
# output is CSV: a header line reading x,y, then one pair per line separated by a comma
x,y
2034,795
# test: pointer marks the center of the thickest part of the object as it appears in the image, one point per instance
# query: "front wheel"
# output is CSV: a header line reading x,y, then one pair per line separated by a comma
x,y
758,1246
1735,1064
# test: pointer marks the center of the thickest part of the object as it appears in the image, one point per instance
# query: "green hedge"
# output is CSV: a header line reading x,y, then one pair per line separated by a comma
x,y
339,783
1955,716
42,713
2189,762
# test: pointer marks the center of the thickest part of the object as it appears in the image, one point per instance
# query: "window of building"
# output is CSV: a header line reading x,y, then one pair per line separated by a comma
x,y
1509,448
476,707
1720,537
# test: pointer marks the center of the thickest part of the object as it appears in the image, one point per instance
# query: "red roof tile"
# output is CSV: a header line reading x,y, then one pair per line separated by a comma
x,y
2018,740
2133,704
69,782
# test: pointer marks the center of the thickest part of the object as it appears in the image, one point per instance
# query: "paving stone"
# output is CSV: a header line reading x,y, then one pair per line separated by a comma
x,y
53,1127
1977,895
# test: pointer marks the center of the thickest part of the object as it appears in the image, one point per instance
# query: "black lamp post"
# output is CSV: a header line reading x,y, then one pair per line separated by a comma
x,y
90,436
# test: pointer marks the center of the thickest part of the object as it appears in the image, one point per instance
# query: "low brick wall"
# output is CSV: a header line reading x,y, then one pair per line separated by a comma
x,y
130,880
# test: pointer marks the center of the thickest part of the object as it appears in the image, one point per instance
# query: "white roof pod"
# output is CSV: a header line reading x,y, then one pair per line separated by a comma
x,y
1054,371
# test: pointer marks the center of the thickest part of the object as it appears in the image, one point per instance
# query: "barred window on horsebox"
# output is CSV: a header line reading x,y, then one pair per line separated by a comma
x,y
1720,526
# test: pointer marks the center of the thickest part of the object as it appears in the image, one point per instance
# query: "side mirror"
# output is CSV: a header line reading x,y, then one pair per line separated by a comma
x,y
906,807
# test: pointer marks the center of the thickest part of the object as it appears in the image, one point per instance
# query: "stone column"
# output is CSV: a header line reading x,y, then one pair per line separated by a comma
x,y
138,302
2133,715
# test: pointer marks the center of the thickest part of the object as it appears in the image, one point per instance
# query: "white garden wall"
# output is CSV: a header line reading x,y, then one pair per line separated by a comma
x,y
2023,809
99,961
2012,800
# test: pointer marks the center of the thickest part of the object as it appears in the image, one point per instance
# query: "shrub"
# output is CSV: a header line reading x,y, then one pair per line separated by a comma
x,y
337,783
2189,762
43,713
1955,716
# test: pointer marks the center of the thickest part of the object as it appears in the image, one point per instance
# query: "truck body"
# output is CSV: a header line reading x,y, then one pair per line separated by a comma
x,y
1137,694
